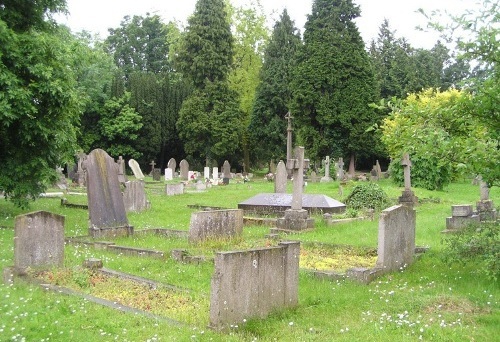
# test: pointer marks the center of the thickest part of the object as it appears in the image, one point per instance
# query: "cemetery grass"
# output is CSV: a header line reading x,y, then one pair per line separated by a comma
x,y
430,300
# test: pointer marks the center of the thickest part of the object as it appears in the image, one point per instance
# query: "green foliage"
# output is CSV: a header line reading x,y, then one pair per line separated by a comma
x,y
21,16
442,136
273,95
368,195
334,84
475,243
39,109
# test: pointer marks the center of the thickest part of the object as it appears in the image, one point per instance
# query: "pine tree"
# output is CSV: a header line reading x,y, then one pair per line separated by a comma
x,y
273,97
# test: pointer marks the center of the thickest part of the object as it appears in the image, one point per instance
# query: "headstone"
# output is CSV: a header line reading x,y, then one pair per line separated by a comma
x,y
107,216
296,218
134,196
152,167
407,197
396,237
215,174
280,179
379,169
174,189
80,171
136,169
156,174
168,174
327,177
215,224
184,166
172,164
61,181
226,172
206,172
272,166
462,215
484,191
340,169
253,283
374,174
122,177
38,241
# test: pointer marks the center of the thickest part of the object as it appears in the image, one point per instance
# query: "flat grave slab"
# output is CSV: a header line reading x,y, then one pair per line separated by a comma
x,y
279,202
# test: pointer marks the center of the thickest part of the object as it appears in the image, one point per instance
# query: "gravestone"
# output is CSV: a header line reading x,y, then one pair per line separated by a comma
x,y
184,166
340,169
253,283
80,171
374,174
122,177
272,166
314,177
379,169
156,174
226,172
280,179
462,215
38,241
396,237
136,169
407,197
215,224
296,218
485,207
152,167
206,172
134,196
174,189
215,174
172,164
61,181
107,214
327,177
168,174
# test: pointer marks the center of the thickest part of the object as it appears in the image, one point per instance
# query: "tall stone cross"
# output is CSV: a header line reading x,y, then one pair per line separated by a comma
x,y
340,170
406,162
289,130
327,166
297,165
152,166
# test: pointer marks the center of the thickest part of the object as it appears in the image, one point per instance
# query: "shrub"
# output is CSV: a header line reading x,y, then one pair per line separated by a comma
x,y
476,243
367,196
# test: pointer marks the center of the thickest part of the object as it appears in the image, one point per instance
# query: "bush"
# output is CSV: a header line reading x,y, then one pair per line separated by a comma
x,y
367,196
476,243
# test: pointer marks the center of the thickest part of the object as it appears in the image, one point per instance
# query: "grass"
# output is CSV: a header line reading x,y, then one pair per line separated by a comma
x,y
430,300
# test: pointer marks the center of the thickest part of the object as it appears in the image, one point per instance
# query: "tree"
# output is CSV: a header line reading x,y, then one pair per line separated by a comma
x,y
39,100
334,84
273,95
251,36
210,119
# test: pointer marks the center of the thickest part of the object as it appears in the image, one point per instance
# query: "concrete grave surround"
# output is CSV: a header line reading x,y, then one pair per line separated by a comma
x,y
280,180
169,175
184,166
38,241
396,237
174,189
214,224
107,214
134,196
136,169
253,283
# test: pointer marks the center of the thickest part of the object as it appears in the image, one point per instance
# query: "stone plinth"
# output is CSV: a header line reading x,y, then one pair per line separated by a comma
x,y
462,210
486,210
408,197
295,219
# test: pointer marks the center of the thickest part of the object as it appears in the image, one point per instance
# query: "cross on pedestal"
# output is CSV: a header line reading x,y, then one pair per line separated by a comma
x,y
340,170
406,162
297,166
152,166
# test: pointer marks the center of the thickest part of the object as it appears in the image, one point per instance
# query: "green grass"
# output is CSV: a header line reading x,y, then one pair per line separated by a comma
x,y
430,300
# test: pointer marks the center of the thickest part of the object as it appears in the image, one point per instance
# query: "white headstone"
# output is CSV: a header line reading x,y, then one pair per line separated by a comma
x,y
206,172
136,169
168,174
215,173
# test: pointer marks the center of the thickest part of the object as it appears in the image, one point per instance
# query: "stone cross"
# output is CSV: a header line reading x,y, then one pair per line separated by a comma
x,y
297,165
327,166
122,178
289,130
406,162
152,166
340,165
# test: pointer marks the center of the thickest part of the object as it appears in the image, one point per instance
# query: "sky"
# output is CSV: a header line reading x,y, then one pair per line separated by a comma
x,y
98,15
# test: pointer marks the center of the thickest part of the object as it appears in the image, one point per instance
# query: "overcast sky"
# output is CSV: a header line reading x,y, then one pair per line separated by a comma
x,y
99,15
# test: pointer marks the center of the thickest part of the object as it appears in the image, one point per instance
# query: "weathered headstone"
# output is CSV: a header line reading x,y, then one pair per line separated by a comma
x,y
156,174
462,215
327,177
272,166
152,167
396,237
215,174
379,169
340,169
172,164
136,169
122,177
169,175
226,172
253,283
407,197
80,171
38,241
184,166
296,218
134,196
106,208
280,179
215,224
484,191
206,172
374,174
61,181
174,189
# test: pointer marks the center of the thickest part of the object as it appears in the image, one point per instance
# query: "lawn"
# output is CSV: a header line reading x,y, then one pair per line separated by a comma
x,y
430,300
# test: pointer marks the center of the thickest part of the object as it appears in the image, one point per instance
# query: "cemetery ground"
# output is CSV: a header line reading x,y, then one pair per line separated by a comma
x,y
430,300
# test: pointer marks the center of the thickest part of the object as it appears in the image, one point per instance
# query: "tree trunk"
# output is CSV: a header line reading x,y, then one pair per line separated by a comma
x,y
352,168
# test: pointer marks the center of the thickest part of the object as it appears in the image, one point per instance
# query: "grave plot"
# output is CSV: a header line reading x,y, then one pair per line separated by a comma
x,y
323,257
